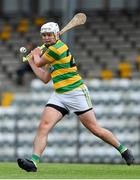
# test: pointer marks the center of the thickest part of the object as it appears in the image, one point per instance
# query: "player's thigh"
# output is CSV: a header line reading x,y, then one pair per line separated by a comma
x,y
50,117
89,119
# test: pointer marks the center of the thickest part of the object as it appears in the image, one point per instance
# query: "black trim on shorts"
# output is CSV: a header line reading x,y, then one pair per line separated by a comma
x,y
63,111
82,112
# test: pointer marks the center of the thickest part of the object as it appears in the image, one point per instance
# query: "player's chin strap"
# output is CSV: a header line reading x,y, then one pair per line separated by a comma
x,y
57,36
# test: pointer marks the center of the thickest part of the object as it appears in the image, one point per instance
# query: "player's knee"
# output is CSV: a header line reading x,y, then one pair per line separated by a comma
x,y
44,125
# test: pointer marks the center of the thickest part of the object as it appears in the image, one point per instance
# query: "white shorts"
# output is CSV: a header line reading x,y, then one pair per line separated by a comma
x,y
77,101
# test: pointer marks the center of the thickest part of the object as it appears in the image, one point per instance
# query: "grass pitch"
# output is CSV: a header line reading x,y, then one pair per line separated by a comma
x,y
71,171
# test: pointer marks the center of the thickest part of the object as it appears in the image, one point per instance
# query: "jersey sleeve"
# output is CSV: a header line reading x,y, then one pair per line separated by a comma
x,y
51,54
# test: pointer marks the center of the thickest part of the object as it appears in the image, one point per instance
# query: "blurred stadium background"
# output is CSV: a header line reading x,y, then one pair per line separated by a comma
x,y
107,51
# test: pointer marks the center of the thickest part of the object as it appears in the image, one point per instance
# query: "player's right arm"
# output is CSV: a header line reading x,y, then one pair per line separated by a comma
x,y
43,75
39,60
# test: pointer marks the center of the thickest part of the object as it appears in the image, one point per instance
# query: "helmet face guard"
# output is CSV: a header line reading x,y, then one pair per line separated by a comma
x,y
50,27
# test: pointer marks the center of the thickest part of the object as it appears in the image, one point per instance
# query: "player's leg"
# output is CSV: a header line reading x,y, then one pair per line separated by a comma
x,y
89,121
49,118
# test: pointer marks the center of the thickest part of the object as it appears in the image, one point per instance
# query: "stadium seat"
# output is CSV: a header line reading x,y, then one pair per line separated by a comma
x,y
125,70
39,21
7,98
106,74
23,26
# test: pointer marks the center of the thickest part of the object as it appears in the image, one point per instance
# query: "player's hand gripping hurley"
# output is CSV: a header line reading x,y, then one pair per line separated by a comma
x,y
78,19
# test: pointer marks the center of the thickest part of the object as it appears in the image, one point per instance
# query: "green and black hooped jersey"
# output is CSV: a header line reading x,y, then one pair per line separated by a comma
x,y
63,68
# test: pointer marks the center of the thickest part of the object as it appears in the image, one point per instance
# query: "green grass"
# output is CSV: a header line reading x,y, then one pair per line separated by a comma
x,y
71,171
